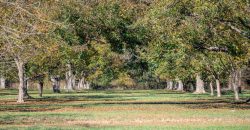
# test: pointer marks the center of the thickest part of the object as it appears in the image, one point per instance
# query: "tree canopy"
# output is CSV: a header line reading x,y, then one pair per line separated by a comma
x,y
126,43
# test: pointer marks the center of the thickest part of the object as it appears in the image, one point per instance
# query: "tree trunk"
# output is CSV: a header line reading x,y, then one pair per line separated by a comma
x,y
180,85
81,83
175,86
58,84
53,81
20,67
236,93
235,85
77,84
239,82
199,85
55,84
40,88
87,85
2,82
170,85
73,81
25,88
211,88
230,84
69,78
218,88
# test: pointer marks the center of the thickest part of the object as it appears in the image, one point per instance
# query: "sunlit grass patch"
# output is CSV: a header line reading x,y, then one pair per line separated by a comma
x,y
128,109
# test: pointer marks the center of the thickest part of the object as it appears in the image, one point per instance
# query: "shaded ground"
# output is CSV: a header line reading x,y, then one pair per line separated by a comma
x,y
130,109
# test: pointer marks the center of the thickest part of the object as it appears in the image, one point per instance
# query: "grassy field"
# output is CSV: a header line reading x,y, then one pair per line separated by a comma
x,y
127,109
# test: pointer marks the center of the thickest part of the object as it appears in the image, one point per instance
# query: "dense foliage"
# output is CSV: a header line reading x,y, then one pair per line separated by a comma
x,y
127,43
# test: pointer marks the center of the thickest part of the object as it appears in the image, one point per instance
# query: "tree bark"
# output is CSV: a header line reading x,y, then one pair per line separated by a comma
x,y
236,93
53,81
55,84
170,85
230,84
175,86
25,88
73,81
81,83
58,84
235,85
199,85
180,85
20,67
2,82
239,82
211,88
69,78
40,88
218,88
87,85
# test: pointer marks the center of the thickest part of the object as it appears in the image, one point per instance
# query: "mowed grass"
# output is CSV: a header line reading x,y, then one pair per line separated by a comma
x,y
124,109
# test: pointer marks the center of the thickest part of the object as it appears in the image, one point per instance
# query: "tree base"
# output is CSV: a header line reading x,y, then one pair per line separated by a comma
x,y
20,101
199,92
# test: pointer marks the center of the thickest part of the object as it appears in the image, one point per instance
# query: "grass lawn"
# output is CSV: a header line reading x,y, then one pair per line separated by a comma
x,y
127,109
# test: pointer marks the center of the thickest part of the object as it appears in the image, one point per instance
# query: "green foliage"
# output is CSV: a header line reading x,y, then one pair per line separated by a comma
x,y
185,31
131,42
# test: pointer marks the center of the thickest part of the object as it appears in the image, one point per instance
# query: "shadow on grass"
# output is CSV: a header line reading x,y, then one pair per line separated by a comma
x,y
72,98
186,104
5,93
50,103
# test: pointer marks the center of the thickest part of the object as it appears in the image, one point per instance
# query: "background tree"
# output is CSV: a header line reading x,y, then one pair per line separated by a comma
x,y
25,28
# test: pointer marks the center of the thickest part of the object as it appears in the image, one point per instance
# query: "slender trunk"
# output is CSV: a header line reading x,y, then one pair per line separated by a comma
x,y
239,82
66,81
236,93
87,85
175,86
58,84
55,84
73,81
211,88
53,81
199,85
170,85
235,86
81,83
25,88
157,82
77,84
20,67
180,85
146,85
218,88
69,78
40,88
230,84
2,82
